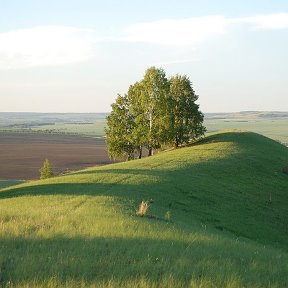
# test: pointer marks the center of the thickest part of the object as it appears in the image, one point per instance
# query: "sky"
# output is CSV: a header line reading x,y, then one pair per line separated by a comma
x,y
78,55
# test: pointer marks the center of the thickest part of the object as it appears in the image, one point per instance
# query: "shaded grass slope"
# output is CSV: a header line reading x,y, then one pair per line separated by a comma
x,y
6,183
228,203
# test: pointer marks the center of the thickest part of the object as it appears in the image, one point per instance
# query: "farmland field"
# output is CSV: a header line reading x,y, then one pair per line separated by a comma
x,y
26,139
270,124
85,124
22,154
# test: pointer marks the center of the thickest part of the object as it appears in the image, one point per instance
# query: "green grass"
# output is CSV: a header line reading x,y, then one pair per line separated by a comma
x,y
91,129
85,124
227,199
6,183
273,128
88,129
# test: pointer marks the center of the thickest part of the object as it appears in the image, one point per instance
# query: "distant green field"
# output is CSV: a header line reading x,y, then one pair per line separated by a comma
x,y
226,197
276,129
87,124
90,129
271,124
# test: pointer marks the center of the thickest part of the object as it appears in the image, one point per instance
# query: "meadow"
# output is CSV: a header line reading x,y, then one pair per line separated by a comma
x,y
84,124
270,124
6,183
274,129
74,141
226,197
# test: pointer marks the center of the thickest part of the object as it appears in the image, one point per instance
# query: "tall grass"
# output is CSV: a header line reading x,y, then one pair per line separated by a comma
x,y
81,230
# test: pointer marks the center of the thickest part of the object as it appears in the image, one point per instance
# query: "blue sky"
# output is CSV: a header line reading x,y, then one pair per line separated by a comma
x,y
76,56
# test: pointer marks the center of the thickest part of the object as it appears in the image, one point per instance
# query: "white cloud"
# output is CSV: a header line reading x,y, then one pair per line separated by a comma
x,y
264,22
199,29
44,46
55,45
177,32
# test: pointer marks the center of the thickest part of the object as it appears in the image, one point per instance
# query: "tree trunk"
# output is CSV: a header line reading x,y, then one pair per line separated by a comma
x,y
140,152
150,151
176,143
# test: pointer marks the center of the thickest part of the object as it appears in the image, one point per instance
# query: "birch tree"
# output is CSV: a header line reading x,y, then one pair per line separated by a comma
x,y
118,131
155,92
186,119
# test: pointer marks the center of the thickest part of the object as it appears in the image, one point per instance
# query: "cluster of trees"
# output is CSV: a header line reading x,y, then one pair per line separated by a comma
x,y
155,111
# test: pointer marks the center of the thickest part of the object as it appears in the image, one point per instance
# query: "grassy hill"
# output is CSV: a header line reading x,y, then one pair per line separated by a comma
x,y
6,183
270,124
227,200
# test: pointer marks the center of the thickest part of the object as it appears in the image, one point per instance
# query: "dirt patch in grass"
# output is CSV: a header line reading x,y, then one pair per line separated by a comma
x,y
22,154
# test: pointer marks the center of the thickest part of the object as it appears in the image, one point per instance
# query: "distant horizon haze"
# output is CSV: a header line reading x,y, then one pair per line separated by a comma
x,y
107,112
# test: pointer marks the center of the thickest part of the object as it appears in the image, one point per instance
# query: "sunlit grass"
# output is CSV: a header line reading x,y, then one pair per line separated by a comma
x,y
82,230
272,128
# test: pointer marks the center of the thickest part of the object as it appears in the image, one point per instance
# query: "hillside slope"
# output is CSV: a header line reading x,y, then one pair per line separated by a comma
x,y
227,198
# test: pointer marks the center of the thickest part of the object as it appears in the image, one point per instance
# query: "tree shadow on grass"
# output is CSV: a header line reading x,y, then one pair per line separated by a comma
x,y
225,193
120,260
131,172
123,191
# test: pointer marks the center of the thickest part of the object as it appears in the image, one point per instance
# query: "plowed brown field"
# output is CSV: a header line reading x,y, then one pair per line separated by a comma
x,y
22,154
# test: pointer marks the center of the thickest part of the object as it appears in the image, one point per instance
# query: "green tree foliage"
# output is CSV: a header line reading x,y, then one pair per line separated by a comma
x,y
154,112
140,132
118,133
186,119
46,170
154,99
